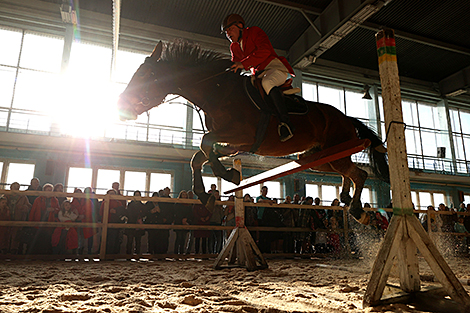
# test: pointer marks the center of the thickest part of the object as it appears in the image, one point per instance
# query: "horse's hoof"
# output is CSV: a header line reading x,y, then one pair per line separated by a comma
x,y
345,198
204,197
358,213
365,219
235,176
210,204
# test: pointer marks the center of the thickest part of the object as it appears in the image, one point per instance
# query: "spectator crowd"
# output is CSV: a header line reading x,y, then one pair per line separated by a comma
x,y
321,229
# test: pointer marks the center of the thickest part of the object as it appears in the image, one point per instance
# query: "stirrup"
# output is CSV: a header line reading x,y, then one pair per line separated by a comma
x,y
287,136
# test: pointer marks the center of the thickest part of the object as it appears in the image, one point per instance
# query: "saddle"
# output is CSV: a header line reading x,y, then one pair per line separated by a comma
x,y
294,104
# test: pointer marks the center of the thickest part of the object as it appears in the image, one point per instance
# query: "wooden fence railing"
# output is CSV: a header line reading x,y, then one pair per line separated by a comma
x,y
104,225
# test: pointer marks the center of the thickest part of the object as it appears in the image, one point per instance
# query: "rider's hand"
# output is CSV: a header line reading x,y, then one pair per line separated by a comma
x,y
236,66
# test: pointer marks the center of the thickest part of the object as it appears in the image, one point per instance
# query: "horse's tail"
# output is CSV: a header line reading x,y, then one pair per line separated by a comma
x,y
377,152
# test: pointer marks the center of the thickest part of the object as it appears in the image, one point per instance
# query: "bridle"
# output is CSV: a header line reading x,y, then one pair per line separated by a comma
x,y
145,100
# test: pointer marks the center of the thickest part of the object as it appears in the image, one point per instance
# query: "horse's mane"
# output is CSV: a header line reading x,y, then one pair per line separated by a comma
x,y
185,53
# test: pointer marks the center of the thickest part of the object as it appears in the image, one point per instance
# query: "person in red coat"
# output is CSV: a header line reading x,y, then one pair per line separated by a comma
x,y
5,233
89,216
84,208
65,239
251,50
45,209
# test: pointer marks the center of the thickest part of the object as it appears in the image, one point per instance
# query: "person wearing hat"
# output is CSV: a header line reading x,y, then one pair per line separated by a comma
x,y
251,50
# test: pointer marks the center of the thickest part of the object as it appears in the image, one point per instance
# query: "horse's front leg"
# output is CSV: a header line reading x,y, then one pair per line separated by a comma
x,y
197,161
213,154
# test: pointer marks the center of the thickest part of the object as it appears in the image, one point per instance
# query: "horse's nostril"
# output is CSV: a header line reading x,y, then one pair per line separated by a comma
x,y
145,101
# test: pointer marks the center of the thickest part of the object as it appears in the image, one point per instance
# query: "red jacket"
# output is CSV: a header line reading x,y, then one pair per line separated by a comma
x,y
71,239
39,208
84,207
257,51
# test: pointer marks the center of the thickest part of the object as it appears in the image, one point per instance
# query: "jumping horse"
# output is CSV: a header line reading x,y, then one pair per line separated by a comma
x,y
201,77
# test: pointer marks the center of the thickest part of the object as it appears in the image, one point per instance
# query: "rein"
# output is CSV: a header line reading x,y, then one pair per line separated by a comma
x,y
215,75
146,101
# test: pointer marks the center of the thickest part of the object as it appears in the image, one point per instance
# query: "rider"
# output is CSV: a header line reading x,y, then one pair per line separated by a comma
x,y
251,49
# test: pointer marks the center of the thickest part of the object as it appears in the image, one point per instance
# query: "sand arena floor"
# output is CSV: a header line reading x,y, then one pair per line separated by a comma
x,y
288,285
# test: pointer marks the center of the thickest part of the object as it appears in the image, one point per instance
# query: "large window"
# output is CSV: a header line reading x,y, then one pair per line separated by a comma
x,y
274,189
105,180
39,96
426,126
309,91
134,181
30,82
422,199
460,123
208,181
331,95
425,132
159,181
327,193
79,178
20,173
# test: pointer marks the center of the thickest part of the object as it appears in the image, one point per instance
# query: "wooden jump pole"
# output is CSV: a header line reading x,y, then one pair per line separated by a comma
x,y
330,154
405,232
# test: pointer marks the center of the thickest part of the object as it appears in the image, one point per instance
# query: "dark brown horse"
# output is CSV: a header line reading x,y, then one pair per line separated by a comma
x,y
200,76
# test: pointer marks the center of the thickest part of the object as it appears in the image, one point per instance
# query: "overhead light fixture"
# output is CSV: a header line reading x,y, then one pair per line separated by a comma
x,y
305,62
366,93
456,93
361,16
68,14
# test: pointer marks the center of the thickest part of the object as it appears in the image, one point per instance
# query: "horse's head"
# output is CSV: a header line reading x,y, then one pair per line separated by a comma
x,y
142,92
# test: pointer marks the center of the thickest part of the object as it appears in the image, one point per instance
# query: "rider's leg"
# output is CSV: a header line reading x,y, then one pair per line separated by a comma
x,y
271,79
285,128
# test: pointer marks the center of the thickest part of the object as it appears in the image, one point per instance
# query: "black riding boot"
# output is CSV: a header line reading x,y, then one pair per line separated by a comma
x,y
285,129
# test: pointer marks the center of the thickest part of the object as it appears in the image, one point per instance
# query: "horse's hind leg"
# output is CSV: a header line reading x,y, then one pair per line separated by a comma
x,y
344,196
349,170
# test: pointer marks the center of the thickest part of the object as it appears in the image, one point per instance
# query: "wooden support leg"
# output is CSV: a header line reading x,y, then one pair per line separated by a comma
x,y
437,263
384,261
408,260
404,234
227,249
242,251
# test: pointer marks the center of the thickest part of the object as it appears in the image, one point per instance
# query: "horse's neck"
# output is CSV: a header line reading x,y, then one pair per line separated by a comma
x,y
205,86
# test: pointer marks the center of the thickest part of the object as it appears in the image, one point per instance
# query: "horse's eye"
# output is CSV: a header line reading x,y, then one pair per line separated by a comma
x,y
141,73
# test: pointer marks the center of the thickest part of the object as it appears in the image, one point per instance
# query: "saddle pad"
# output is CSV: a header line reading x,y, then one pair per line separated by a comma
x,y
294,104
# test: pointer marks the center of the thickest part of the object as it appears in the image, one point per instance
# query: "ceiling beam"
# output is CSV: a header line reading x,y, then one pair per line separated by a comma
x,y
456,84
293,6
334,23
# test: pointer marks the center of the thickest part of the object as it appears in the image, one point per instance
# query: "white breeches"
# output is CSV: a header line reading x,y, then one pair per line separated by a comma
x,y
275,74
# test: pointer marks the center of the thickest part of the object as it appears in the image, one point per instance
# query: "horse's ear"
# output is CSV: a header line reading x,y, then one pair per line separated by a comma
x,y
157,52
